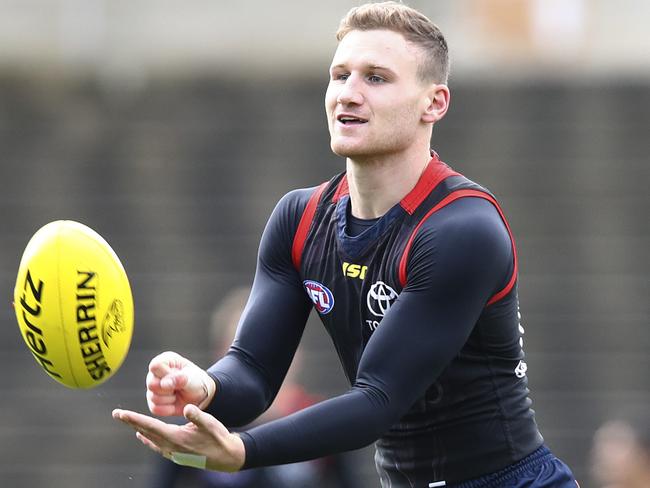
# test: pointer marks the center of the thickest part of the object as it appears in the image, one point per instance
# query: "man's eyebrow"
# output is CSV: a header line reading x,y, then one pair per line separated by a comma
x,y
370,66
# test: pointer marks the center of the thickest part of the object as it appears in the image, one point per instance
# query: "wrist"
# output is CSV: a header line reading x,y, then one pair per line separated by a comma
x,y
209,389
239,451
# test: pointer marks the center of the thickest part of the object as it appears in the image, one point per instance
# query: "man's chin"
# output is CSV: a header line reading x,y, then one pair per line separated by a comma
x,y
349,150
361,154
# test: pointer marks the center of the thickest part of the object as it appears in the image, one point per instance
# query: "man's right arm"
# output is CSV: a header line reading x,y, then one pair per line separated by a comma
x,y
249,376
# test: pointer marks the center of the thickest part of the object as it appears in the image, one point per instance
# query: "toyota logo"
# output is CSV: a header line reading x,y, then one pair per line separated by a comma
x,y
380,297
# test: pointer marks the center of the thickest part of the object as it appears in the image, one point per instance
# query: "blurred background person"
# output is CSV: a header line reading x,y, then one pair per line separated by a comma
x,y
621,454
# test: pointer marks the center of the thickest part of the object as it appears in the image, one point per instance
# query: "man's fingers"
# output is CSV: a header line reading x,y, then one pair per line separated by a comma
x,y
166,363
153,433
152,441
159,367
203,420
164,410
176,380
153,383
161,380
168,359
151,445
167,384
143,423
162,405
155,399
156,444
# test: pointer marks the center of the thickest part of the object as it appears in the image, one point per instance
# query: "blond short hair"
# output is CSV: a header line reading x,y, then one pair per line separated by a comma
x,y
413,25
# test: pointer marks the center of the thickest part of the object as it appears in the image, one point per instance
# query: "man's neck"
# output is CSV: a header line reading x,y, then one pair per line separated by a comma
x,y
377,185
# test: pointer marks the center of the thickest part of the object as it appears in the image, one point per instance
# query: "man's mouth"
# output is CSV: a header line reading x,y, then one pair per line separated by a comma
x,y
350,119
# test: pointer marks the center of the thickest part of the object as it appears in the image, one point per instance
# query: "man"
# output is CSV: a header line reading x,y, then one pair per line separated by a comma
x,y
412,269
620,457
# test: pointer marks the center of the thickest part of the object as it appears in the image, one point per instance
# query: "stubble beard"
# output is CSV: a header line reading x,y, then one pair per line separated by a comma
x,y
372,150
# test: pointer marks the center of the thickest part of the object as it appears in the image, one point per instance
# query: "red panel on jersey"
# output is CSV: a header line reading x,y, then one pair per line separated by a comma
x,y
446,201
304,225
433,174
342,189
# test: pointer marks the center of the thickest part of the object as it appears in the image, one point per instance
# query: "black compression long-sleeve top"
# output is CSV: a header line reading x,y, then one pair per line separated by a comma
x,y
460,257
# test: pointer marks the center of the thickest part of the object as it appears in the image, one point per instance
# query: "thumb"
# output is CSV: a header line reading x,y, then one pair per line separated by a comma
x,y
197,416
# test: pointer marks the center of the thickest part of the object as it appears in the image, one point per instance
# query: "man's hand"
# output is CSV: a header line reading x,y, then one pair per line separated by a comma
x,y
174,382
204,442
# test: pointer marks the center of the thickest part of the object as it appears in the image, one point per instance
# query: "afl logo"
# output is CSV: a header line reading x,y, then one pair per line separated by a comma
x,y
380,297
320,295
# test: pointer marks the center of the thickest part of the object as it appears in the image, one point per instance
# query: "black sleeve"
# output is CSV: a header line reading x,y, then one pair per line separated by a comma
x,y
460,257
271,325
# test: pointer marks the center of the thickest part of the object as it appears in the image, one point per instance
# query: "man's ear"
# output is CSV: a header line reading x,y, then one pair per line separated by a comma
x,y
437,100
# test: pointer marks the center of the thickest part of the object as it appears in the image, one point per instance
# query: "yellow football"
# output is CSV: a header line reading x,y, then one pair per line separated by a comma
x,y
74,304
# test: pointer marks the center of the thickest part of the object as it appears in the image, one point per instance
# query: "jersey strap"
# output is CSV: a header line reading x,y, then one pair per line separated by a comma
x,y
305,224
342,189
444,202
434,173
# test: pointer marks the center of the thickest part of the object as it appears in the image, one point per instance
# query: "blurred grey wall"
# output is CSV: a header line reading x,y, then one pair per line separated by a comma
x,y
173,128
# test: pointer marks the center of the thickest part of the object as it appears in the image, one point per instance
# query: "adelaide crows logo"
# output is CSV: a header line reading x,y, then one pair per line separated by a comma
x,y
320,295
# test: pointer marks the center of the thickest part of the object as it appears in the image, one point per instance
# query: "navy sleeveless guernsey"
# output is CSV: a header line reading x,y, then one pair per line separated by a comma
x,y
476,417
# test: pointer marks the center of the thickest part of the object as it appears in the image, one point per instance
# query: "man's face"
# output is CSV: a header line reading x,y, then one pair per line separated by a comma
x,y
374,100
618,459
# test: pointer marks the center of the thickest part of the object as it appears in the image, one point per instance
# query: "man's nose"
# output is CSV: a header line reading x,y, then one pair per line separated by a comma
x,y
351,92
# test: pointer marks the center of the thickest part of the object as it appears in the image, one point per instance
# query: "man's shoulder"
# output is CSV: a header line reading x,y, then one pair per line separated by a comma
x,y
461,237
295,201
290,209
467,217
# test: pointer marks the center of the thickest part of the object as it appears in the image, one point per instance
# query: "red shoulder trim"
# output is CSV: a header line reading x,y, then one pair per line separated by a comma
x,y
341,190
444,202
304,225
433,174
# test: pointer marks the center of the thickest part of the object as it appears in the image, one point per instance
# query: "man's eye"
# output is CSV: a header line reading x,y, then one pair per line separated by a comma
x,y
376,79
339,76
